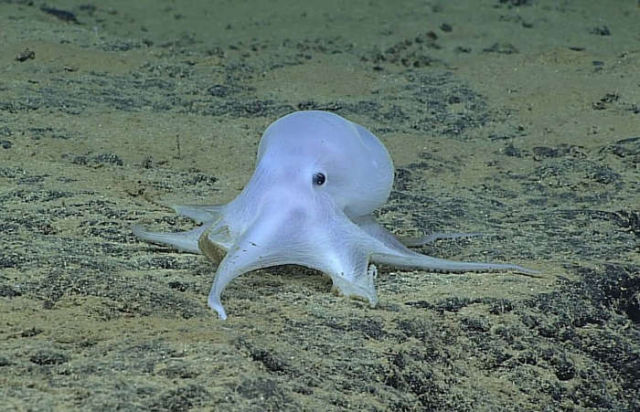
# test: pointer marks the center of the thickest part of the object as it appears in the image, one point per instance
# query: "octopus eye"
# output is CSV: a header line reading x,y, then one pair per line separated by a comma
x,y
319,179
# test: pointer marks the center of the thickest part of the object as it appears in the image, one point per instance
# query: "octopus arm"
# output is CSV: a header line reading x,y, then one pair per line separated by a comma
x,y
419,261
339,250
200,213
392,251
208,215
184,241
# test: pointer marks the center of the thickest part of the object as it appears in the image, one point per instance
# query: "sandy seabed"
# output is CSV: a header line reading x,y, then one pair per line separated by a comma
x,y
519,119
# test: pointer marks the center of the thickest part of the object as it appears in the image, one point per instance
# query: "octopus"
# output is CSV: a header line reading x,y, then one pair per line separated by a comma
x,y
317,181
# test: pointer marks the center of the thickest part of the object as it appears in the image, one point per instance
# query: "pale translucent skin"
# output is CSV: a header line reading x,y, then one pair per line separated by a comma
x,y
283,216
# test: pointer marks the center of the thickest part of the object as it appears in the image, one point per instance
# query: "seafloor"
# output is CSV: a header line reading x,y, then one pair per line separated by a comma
x,y
516,118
